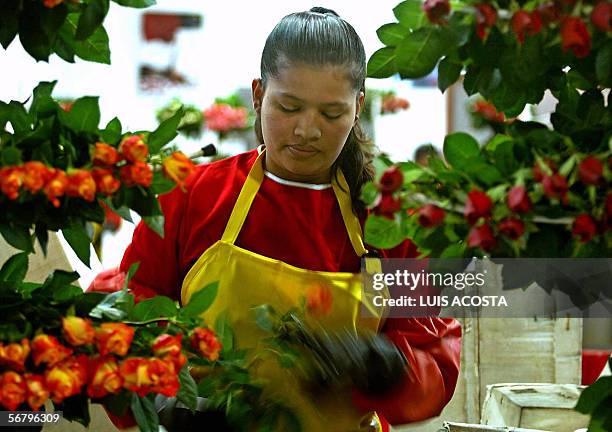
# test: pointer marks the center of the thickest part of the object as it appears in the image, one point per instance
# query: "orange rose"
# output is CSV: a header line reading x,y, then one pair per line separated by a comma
x,y
14,355
138,173
319,299
105,378
169,349
78,331
106,183
144,376
47,349
11,179
52,3
66,378
114,338
134,371
178,167
81,184
163,376
55,185
105,155
34,176
37,392
12,390
134,149
206,342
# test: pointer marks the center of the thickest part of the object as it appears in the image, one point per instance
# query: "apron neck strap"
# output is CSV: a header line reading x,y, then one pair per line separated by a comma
x,y
249,191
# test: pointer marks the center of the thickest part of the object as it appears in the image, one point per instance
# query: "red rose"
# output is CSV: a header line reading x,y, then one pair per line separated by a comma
x,y
56,182
512,228
391,180
477,205
106,183
78,331
37,393
431,216
138,173
601,16
205,341
13,390
105,155
486,16
549,13
524,22
590,170
437,11
575,36
134,149
47,349
15,354
584,228
178,168
105,377
65,379
388,206
81,184
34,176
482,237
539,173
488,111
11,180
555,186
518,200
114,338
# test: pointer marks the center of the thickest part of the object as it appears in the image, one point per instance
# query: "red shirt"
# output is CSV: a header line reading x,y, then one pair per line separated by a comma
x,y
302,227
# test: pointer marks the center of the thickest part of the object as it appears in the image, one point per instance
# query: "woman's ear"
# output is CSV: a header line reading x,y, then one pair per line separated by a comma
x,y
360,104
257,93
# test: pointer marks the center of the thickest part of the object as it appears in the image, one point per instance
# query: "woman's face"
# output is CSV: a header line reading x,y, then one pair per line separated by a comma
x,y
306,113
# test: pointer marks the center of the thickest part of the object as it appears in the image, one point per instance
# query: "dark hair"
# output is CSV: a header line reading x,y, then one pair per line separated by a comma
x,y
320,37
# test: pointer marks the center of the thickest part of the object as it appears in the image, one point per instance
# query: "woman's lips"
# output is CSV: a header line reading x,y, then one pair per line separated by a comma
x,y
302,151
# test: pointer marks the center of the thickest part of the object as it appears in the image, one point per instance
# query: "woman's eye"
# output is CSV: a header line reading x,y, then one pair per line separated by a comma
x,y
332,116
288,109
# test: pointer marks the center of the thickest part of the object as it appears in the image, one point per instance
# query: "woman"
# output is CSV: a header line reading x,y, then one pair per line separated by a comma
x,y
282,225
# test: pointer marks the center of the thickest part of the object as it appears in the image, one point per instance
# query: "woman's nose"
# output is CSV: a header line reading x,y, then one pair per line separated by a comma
x,y
307,127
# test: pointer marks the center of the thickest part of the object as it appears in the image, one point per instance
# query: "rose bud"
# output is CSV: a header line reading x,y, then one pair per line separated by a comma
x,y
391,180
601,16
512,228
575,36
106,183
56,183
431,216
482,237
486,16
319,299
13,390
539,173
66,378
169,348
34,176
138,173
590,170
555,186
177,167
11,180
105,377
134,149
14,355
163,377
114,338
518,200
477,205
388,206
81,184
52,3
105,155
47,349
78,331
437,11
523,22
206,342
584,228
134,371
37,393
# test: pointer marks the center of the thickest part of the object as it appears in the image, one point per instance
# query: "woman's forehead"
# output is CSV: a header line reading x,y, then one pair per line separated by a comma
x,y
329,82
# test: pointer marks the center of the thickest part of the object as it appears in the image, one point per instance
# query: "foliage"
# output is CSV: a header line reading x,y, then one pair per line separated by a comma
x,y
191,123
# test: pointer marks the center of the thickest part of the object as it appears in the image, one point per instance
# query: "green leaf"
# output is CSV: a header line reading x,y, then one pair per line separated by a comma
x,y
145,413
94,48
34,41
165,132
43,237
122,211
75,408
264,317
91,18
369,192
382,233
11,156
17,236
15,268
9,24
106,308
188,392
155,307
224,332
84,115
481,80
15,113
135,3
130,274
419,52
200,301
603,65
410,14
382,63
455,250
460,149
483,171
78,239
112,133
43,104
161,184
448,73
392,34
67,293
156,223
594,394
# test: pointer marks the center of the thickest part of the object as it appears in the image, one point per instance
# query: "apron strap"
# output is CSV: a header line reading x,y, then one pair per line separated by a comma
x,y
249,191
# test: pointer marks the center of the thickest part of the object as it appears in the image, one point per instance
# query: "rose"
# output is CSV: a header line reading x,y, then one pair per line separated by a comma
x,y
206,342
555,186
81,184
65,379
488,111
319,299
482,237
104,154
584,228
12,390
601,16
78,331
14,355
105,377
114,338
392,104
11,179
169,347
164,377
518,201
387,206
524,22
539,173
477,205
222,117
37,392
144,376
430,216
512,228
590,170
437,11
47,349
34,176
55,185
106,183
486,16
575,36
135,376
178,167
134,149
391,180
549,13
138,173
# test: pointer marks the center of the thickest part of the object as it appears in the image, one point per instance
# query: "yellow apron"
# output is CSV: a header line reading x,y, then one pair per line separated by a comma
x,y
247,280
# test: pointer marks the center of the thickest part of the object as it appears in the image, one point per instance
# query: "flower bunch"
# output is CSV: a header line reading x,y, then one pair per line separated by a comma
x,y
221,117
391,104
191,123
